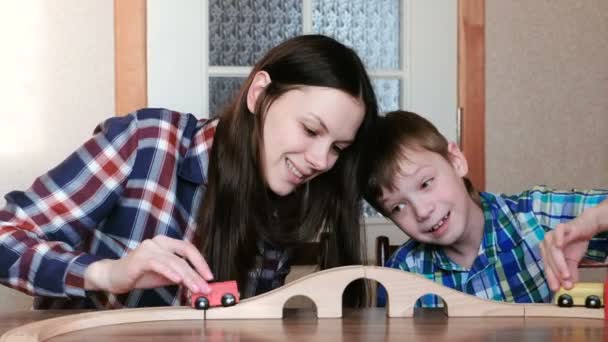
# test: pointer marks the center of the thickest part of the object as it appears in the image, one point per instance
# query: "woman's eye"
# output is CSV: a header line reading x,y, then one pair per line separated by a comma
x,y
309,131
337,149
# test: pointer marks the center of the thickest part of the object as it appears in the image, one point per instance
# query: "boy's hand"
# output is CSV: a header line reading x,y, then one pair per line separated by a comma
x,y
563,248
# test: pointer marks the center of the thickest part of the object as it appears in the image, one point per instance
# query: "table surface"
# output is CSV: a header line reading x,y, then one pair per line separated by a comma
x,y
357,325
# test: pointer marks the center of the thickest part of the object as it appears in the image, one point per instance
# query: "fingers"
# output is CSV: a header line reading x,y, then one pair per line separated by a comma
x,y
557,269
573,267
584,227
178,271
161,261
191,266
559,265
565,233
188,251
558,234
165,270
562,250
552,280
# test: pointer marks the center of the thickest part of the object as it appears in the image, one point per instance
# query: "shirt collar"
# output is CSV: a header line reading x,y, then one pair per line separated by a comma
x,y
442,261
502,232
194,167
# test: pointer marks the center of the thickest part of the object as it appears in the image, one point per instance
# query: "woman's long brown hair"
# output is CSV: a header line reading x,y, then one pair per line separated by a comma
x,y
237,209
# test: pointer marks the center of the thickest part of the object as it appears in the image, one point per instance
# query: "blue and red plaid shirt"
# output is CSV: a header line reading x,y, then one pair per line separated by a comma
x,y
508,266
139,176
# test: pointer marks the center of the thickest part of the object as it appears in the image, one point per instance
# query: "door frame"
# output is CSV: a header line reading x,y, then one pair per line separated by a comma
x,y
131,75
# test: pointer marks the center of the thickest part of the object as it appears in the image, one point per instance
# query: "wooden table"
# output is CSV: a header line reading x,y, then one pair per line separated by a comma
x,y
358,325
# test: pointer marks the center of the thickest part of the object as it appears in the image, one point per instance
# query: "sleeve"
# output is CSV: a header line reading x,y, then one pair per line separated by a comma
x,y
44,229
553,207
598,245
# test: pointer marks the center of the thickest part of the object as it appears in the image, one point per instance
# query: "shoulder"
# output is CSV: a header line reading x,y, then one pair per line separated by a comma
x,y
165,120
151,120
516,212
546,200
539,205
528,200
160,127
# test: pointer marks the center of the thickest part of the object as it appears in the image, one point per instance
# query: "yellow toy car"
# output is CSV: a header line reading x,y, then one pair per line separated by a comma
x,y
589,295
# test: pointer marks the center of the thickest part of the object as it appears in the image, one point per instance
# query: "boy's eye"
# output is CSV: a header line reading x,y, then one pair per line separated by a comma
x,y
427,183
397,208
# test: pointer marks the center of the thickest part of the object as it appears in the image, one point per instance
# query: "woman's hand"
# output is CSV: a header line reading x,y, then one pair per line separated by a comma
x,y
156,262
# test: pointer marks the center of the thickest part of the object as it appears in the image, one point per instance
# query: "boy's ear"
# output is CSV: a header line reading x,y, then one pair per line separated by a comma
x,y
259,83
458,160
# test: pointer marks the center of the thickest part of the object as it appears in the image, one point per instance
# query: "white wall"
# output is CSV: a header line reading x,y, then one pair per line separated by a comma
x,y
57,83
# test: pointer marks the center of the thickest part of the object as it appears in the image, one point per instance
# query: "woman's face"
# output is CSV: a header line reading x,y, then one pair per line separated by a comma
x,y
304,132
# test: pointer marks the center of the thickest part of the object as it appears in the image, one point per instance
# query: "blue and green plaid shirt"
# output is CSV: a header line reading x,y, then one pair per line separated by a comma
x,y
509,266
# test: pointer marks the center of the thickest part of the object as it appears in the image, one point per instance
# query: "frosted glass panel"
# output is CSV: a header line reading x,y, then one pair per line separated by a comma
x,y
388,93
222,90
370,27
242,31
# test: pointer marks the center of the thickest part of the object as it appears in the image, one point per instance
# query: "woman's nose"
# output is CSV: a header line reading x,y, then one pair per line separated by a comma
x,y
319,156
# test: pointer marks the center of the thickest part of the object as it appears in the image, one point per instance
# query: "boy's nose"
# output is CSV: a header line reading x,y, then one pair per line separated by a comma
x,y
423,210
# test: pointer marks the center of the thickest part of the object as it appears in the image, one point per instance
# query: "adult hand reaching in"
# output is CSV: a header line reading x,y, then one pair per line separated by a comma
x,y
563,248
156,262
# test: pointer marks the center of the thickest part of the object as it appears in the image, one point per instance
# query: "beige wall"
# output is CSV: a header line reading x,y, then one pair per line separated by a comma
x,y
57,73
546,94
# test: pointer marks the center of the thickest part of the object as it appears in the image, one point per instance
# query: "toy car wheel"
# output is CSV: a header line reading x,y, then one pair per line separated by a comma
x,y
228,299
565,301
593,301
201,303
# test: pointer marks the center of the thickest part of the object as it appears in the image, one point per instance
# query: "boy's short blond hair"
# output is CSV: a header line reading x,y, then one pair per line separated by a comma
x,y
396,133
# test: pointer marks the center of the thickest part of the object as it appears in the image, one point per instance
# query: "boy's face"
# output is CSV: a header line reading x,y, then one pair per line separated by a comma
x,y
430,202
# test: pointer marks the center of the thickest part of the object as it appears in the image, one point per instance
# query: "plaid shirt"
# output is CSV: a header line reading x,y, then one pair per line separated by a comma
x,y
139,176
508,266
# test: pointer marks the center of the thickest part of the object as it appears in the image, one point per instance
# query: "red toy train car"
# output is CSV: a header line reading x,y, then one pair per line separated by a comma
x,y
223,293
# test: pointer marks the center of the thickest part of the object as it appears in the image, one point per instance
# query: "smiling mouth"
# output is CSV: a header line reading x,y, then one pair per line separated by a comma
x,y
440,223
293,169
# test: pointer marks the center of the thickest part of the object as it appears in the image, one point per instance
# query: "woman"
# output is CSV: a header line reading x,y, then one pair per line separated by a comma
x,y
157,198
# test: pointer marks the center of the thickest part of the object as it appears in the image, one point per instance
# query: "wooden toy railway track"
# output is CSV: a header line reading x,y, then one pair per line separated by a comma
x,y
324,288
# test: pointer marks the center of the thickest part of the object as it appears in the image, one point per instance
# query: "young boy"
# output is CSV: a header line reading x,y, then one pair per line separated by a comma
x,y
483,244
